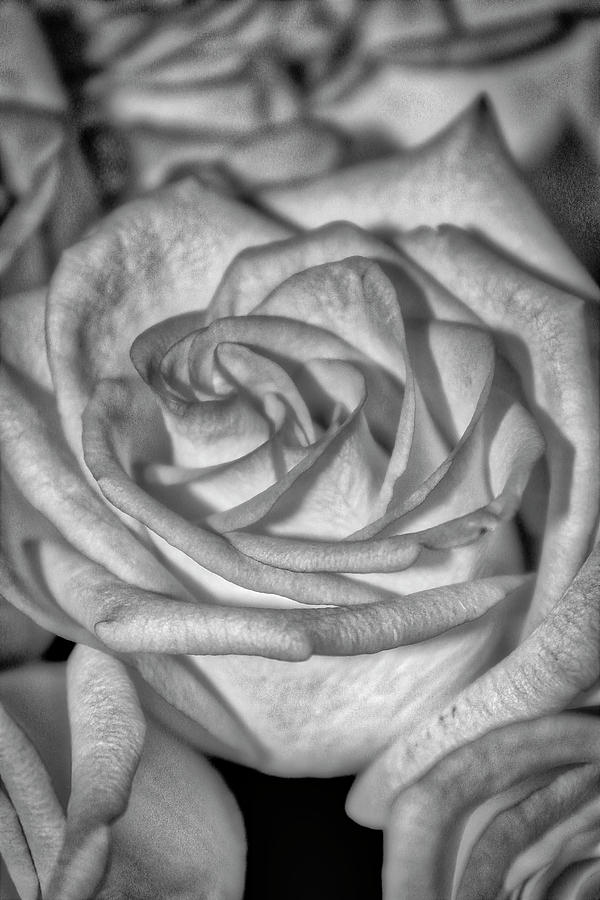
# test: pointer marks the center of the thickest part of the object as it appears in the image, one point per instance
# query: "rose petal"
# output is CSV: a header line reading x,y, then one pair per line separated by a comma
x,y
216,431
108,414
479,12
172,35
423,830
255,95
28,610
352,299
107,734
520,824
383,21
36,145
542,675
258,271
33,452
32,796
38,156
180,833
22,336
315,729
576,837
579,882
493,460
154,258
36,84
546,340
55,199
196,493
409,94
14,852
451,179
279,153
170,686
290,343
298,633
194,848
504,436
98,600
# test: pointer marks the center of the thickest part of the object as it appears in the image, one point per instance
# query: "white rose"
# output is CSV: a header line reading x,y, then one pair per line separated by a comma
x,y
324,420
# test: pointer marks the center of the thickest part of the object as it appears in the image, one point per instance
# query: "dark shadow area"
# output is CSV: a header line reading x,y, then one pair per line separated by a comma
x,y
58,651
301,843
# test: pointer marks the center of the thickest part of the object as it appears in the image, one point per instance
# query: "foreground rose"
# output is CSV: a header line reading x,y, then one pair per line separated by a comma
x,y
46,195
326,419
203,88
140,815
414,66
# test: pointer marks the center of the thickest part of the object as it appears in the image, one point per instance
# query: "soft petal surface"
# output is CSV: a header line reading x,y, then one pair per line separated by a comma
x,y
463,176
545,338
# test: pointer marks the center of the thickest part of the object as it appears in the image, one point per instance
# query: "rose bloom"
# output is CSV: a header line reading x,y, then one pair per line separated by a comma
x,y
98,803
203,88
328,486
47,196
412,67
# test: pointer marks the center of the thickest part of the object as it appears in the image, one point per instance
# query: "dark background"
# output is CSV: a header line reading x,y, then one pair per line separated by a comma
x,y
301,844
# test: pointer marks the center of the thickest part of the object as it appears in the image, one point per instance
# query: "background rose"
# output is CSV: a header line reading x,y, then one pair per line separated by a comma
x,y
46,195
411,68
201,87
139,815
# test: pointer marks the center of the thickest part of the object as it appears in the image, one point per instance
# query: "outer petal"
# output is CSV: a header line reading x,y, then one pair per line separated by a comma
x,y
463,176
534,70
32,796
305,713
157,817
50,196
35,456
544,674
192,89
551,339
20,637
107,733
195,848
267,156
150,260
424,831
22,345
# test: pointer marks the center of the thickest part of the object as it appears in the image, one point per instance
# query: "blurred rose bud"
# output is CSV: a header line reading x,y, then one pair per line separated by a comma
x,y
96,803
414,66
208,88
46,195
